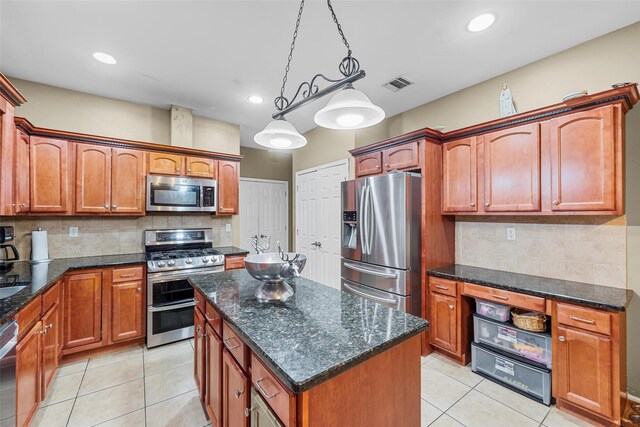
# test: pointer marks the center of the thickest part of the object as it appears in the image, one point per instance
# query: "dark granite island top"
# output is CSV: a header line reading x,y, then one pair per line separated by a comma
x,y
231,250
316,335
603,297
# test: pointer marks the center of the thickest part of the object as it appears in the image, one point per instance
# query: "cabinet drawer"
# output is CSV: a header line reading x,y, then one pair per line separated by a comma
x,y
213,318
200,301
51,297
443,286
28,316
234,263
235,345
513,299
584,318
129,274
281,401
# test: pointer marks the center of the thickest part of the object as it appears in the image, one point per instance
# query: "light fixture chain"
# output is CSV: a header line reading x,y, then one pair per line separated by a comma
x,y
293,45
335,19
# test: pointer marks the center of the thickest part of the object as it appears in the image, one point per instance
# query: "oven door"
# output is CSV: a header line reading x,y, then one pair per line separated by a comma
x,y
175,194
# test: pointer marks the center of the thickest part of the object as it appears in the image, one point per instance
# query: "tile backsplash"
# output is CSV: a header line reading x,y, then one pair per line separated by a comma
x,y
107,235
584,253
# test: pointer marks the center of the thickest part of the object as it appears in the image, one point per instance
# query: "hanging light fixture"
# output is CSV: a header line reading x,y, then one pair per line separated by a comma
x,y
348,109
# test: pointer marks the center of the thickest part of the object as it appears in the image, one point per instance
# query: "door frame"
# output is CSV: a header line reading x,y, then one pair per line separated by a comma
x,y
286,201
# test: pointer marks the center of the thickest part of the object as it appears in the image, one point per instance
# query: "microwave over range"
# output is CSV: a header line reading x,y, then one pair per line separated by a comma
x,y
179,194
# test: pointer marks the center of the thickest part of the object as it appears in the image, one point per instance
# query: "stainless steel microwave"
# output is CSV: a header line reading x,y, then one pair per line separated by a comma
x,y
180,194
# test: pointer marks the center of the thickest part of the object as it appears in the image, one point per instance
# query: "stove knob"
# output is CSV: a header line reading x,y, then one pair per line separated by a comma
x,y
205,259
160,263
188,261
171,263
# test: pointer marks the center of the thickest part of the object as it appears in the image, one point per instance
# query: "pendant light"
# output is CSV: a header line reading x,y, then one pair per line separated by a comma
x,y
347,109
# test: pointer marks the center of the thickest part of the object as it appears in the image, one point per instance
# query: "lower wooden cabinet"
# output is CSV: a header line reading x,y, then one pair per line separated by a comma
x,y
234,262
213,373
199,351
444,321
235,393
82,294
28,374
51,338
126,311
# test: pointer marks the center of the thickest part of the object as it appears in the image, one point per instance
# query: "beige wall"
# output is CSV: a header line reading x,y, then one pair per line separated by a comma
x,y
324,146
214,135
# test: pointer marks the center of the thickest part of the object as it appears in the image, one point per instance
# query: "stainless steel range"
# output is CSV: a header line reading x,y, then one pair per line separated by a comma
x,y
172,257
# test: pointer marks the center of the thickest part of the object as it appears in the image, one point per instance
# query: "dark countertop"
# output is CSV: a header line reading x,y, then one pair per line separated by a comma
x,y
38,277
231,250
317,334
603,297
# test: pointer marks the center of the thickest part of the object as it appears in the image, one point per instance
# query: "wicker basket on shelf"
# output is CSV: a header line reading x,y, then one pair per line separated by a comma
x,y
529,321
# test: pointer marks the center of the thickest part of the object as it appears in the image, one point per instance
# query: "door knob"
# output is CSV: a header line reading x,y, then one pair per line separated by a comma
x,y
561,338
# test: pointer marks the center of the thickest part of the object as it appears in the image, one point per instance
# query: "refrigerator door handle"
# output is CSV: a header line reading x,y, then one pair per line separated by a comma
x,y
372,272
369,296
370,220
364,207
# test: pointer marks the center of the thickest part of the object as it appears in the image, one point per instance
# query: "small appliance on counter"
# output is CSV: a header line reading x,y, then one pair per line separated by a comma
x,y
7,235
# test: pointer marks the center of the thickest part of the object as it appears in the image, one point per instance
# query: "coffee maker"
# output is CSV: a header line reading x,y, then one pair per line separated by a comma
x,y
7,235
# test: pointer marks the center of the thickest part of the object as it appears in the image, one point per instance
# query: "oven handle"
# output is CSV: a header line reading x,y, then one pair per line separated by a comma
x,y
165,277
172,307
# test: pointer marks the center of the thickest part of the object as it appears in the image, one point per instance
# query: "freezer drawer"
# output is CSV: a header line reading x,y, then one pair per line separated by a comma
x,y
384,298
382,278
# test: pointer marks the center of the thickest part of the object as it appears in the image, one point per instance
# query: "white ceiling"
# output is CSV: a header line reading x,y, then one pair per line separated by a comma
x,y
211,55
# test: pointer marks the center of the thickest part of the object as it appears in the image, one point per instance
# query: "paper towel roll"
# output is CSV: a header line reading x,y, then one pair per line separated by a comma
x,y
39,245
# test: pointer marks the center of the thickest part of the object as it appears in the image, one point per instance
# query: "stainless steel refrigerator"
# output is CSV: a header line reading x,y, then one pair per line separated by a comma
x,y
381,233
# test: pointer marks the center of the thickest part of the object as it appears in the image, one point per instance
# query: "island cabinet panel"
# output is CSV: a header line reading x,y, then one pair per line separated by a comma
x,y
201,167
127,182
165,164
443,319
512,169
279,399
213,370
93,178
213,318
235,393
368,164
82,307
228,186
234,262
586,160
459,176
49,179
22,173
199,353
403,156
127,305
236,347
28,375
51,328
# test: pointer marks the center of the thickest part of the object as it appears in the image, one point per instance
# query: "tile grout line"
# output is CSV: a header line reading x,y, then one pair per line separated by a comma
x,y
492,398
75,399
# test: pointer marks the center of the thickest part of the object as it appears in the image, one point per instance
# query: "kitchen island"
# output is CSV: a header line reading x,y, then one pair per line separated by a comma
x,y
322,358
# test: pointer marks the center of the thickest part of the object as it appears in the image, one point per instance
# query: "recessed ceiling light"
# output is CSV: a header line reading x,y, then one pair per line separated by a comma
x,y
481,22
255,99
104,58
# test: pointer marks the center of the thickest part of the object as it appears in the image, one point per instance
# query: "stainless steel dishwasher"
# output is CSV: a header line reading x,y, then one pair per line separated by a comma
x,y
261,414
8,342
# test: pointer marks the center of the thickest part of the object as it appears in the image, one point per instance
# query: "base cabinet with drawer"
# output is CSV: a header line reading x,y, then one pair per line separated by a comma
x,y
234,262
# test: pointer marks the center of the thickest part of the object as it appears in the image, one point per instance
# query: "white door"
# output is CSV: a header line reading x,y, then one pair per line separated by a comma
x,y
264,213
318,214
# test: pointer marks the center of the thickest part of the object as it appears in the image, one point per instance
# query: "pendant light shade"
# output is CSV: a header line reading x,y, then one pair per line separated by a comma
x,y
281,135
349,109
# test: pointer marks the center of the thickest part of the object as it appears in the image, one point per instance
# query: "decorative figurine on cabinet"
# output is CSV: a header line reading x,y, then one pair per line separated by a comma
x,y
506,102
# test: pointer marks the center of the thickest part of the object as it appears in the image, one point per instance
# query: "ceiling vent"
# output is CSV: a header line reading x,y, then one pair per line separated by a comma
x,y
398,83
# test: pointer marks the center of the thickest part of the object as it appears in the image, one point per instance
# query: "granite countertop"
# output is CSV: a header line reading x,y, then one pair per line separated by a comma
x,y
38,277
603,297
317,334
231,250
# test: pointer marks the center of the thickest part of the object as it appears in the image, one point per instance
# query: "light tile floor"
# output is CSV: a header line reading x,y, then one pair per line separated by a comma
x,y
155,388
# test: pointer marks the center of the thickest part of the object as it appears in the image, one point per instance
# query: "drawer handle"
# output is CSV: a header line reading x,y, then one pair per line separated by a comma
x,y
128,275
229,347
239,393
206,315
579,319
444,288
263,391
501,297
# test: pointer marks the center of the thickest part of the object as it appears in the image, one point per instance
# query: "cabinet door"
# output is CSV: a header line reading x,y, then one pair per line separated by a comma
x,y
512,169
82,307
126,311
402,156
199,351
228,184
235,393
165,164
444,324
51,328
201,167
583,369
583,160
369,164
127,182
28,359
22,172
459,178
49,183
93,178
213,392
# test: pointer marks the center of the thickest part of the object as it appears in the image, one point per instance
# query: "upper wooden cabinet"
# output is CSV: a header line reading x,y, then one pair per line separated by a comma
x,y
369,164
202,167
512,169
398,157
459,176
22,200
166,164
586,160
9,99
127,182
228,186
49,180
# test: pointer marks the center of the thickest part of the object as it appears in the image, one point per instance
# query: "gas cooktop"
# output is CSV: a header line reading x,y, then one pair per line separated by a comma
x,y
181,249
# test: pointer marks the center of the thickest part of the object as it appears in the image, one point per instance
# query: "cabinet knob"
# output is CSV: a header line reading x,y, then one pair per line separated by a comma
x,y
386,165
23,205
238,393
561,338
188,170
138,289
450,306
472,204
377,166
487,204
114,206
106,206
177,169
555,202
247,412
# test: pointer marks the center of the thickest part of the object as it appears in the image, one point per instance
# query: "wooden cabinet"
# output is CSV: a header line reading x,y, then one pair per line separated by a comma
x,y
199,346
127,306
82,308
443,321
368,164
512,169
403,156
28,375
235,393
459,176
48,178
127,182
165,164
21,175
228,186
51,336
213,371
586,160
281,401
201,167
234,262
